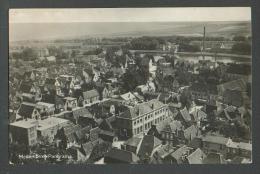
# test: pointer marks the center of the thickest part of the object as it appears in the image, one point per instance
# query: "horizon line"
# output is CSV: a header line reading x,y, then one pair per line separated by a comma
x,y
44,22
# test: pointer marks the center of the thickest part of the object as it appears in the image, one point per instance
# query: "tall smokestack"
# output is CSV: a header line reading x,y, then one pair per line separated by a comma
x,y
203,42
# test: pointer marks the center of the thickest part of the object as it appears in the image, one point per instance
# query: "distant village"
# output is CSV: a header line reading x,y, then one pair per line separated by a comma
x,y
130,100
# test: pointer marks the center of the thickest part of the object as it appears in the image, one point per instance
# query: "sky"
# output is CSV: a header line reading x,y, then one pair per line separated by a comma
x,y
130,15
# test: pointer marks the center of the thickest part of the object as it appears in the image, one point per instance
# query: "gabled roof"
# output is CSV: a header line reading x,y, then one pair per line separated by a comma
x,y
90,94
106,124
214,158
240,160
185,114
148,144
180,152
93,132
81,112
215,139
70,130
50,81
80,134
163,124
164,97
27,73
164,151
142,108
198,115
86,148
190,132
173,126
122,155
128,96
245,146
77,93
201,114
134,141
196,157
240,84
25,87
26,109
107,133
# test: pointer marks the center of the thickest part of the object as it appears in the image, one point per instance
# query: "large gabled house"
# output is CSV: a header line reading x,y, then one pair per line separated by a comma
x,y
120,156
29,75
45,109
52,84
184,117
88,75
170,132
28,88
70,103
58,101
199,91
148,146
216,144
28,110
138,119
81,115
90,97
179,155
132,145
103,92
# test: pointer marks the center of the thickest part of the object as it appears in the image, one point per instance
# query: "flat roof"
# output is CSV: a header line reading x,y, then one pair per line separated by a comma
x,y
25,123
50,122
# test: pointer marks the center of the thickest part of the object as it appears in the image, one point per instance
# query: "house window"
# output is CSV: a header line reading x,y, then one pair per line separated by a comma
x,y
32,141
167,136
163,135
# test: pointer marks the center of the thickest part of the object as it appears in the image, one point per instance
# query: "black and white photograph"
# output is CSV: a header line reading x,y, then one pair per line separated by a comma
x,y
161,85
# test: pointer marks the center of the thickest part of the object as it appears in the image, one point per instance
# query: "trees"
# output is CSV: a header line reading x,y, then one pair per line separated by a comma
x,y
145,43
189,48
29,54
185,99
239,38
93,52
241,48
129,81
